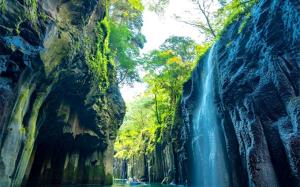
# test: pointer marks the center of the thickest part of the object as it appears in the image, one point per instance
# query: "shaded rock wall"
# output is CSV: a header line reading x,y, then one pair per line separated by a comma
x,y
60,106
120,168
159,166
257,86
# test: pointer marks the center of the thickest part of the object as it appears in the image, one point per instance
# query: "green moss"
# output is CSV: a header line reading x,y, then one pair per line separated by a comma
x,y
99,61
18,27
43,16
108,179
22,130
2,6
244,22
237,10
21,105
33,9
202,50
30,137
56,50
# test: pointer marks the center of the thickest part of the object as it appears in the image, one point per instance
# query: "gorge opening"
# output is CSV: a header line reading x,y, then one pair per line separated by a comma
x,y
200,93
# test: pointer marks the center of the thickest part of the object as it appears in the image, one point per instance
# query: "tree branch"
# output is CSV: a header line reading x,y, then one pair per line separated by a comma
x,y
206,18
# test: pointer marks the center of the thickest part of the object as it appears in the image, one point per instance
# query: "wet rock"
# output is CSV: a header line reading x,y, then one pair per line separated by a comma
x,y
257,84
57,120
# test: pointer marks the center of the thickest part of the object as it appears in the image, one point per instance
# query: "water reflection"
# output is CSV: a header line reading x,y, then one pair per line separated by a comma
x,y
118,183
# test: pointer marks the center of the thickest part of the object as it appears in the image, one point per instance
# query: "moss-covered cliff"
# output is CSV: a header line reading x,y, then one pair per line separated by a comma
x,y
60,106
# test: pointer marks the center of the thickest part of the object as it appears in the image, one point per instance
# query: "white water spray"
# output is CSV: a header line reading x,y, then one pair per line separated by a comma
x,y
210,170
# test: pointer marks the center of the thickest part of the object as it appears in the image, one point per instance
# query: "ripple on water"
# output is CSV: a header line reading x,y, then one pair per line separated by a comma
x,y
119,184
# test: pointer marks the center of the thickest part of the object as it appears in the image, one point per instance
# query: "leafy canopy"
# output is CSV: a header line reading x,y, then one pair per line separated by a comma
x,y
126,38
150,117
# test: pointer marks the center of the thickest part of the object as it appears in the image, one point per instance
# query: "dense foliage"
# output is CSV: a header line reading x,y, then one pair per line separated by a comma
x,y
152,113
126,38
151,116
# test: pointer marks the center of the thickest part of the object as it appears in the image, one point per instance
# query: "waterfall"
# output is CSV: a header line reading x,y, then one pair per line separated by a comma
x,y
208,144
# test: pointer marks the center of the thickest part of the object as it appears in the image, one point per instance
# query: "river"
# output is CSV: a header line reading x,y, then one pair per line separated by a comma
x,y
119,184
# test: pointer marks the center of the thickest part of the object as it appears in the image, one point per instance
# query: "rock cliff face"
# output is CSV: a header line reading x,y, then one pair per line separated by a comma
x,y
60,106
256,68
159,166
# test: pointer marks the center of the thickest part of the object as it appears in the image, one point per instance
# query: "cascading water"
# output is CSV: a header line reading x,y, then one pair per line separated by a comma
x,y
209,152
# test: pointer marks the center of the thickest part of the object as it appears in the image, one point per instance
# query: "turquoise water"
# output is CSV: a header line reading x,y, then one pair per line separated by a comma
x,y
144,185
120,184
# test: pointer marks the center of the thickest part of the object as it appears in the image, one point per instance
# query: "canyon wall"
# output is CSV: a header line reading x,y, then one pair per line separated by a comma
x,y
256,69
60,106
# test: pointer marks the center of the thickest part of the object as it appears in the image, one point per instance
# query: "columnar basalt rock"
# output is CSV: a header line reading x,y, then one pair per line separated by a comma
x,y
157,166
257,87
60,106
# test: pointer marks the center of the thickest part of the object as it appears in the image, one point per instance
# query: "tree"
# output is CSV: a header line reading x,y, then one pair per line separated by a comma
x,y
138,128
126,38
181,46
214,16
150,115
125,53
167,69
157,6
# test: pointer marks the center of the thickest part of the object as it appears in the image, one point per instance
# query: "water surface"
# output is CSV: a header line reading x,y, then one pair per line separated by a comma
x,y
118,184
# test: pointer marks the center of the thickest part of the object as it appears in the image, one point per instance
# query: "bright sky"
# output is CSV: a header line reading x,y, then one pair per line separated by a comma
x,y
157,28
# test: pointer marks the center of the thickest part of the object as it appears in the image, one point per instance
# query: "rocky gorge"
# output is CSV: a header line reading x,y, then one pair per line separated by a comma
x,y
253,100
236,124
60,106
256,86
